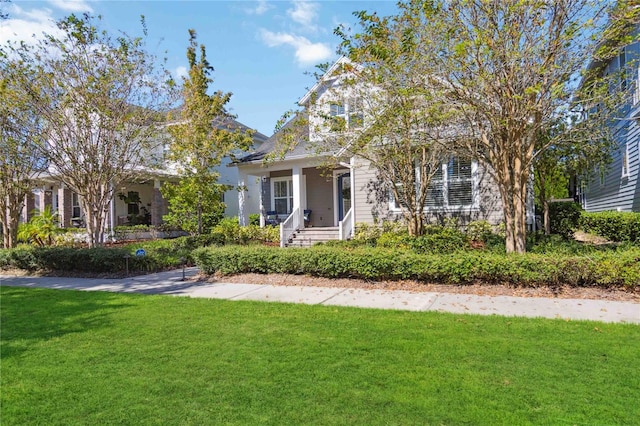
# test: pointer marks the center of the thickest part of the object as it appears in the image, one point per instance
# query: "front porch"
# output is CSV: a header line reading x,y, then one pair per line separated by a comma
x,y
292,191
133,203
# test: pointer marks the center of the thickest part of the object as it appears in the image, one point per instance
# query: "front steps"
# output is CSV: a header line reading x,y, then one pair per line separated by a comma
x,y
309,236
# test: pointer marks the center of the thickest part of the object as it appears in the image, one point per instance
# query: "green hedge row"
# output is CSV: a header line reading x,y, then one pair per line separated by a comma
x,y
599,269
614,226
95,260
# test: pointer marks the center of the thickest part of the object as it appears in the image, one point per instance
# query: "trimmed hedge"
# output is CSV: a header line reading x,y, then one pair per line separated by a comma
x,y
614,226
598,269
94,260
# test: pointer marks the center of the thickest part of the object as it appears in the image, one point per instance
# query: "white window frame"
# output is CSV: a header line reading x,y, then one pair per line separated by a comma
x,y
625,161
75,204
445,192
289,180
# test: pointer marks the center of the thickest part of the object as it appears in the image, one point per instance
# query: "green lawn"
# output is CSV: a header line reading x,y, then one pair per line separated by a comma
x,y
101,358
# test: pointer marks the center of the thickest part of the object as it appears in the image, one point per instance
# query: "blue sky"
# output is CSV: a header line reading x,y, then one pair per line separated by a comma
x,y
259,49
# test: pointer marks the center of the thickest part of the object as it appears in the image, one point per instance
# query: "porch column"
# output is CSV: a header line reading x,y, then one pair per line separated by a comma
x,y
263,211
29,206
46,199
296,175
352,177
157,204
64,206
243,217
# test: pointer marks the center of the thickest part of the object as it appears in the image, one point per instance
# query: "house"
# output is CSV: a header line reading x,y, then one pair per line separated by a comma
x,y
617,187
139,201
314,202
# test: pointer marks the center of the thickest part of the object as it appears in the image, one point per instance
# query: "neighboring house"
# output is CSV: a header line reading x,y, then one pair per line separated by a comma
x,y
617,187
139,201
338,198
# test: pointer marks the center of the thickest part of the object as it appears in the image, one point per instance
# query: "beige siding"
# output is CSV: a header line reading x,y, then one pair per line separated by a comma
x,y
319,197
368,209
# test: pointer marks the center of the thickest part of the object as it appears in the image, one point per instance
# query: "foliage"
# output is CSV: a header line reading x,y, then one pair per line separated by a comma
x,y
564,218
302,364
254,219
614,226
202,137
194,206
500,73
619,268
228,231
100,97
20,157
42,228
160,254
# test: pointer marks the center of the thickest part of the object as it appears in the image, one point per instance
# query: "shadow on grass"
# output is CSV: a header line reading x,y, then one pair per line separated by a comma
x,y
32,315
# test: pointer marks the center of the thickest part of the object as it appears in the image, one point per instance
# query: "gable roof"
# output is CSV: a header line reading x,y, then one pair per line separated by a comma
x,y
331,74
300,133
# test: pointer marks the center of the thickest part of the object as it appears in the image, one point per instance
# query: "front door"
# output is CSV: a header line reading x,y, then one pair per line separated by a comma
x,y
344,194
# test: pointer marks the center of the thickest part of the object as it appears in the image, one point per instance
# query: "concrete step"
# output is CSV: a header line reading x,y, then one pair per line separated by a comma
x,y
310,236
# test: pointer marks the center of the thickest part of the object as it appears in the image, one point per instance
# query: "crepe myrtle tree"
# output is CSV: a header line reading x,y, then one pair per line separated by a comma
x,y
100,97
21,160
502,71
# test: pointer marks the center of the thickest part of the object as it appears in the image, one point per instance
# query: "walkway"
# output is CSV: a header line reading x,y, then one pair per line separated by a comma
x,y
171,283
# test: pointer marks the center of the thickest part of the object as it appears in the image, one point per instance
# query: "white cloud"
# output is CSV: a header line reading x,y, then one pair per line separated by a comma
x,y
24,25
303,13
71,5
260,9
306,52
180,72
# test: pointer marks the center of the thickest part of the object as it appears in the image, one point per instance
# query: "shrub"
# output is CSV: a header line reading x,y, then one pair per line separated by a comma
x,y
254,219
602,268
479,230
614,226
564,218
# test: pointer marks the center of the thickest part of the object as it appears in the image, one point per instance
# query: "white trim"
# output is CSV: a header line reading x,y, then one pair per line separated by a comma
x,y
475,193
336,205
303,201
625,161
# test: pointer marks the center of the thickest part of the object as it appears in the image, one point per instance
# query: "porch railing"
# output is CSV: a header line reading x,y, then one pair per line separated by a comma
x,y
345,226
290,225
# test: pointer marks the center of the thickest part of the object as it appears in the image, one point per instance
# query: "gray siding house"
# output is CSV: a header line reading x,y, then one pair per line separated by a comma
x,y
306,197
618,186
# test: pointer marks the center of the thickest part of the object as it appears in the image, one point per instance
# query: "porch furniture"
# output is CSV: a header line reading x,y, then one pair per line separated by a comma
x,y
272,218
307,217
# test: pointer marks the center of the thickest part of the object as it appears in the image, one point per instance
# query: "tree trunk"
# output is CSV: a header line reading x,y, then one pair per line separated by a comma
x,y
415,223
513,193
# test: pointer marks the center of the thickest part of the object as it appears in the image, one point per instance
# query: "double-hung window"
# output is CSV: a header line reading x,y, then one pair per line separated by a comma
x,y
346,115
76,210
452,186
459,182
282,195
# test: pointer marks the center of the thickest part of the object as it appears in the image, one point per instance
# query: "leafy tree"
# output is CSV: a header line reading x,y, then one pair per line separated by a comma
x,y
200,139
20,158
391,121
100,98
503,71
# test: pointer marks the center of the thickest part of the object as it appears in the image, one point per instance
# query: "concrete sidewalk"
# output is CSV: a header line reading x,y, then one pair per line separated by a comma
x,y
170,283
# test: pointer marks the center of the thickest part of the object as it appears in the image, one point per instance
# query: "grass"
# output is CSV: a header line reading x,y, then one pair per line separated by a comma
x,y
101,358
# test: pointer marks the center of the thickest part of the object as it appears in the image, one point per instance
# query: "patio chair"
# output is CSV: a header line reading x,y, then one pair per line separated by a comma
x,y
271,218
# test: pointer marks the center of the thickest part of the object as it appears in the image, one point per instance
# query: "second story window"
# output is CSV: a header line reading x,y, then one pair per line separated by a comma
x,y
346,115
